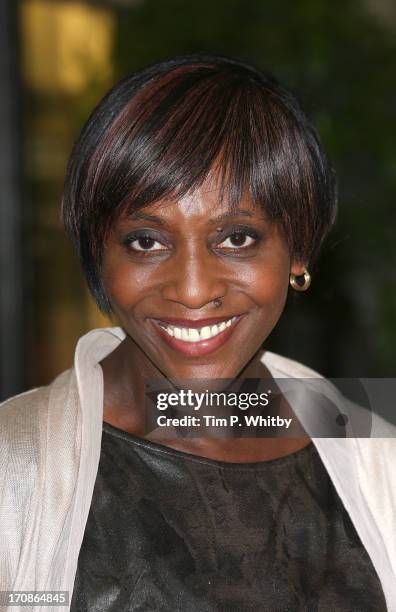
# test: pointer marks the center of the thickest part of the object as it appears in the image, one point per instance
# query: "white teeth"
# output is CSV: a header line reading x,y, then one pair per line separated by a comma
x,y
205,333
197,335
194,335
185,335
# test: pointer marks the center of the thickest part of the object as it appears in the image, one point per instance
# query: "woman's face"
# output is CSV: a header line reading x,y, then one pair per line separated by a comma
x,y
164,266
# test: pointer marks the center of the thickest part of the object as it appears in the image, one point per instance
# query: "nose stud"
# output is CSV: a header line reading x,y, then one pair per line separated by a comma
x,y
217,303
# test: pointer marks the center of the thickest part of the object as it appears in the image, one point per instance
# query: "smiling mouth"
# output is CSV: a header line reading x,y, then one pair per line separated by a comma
x,y
196,341
190,334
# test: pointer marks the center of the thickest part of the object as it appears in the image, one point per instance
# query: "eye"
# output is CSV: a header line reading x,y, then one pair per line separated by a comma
x,y
143,242
240,239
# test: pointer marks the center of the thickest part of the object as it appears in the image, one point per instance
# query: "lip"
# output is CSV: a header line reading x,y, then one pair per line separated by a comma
x,y
195,349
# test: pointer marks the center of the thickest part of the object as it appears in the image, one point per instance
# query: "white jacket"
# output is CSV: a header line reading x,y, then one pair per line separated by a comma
x,y
50,441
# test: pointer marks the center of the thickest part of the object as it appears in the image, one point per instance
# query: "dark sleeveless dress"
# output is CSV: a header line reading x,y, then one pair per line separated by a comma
x,y
169,531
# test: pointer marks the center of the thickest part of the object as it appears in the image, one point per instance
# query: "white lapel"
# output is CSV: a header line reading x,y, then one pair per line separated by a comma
x,y
361,471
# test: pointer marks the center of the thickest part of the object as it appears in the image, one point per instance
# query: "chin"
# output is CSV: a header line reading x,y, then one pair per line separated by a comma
x,y
204,371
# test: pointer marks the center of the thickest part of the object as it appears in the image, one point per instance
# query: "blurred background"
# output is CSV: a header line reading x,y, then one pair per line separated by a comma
x,y
59,57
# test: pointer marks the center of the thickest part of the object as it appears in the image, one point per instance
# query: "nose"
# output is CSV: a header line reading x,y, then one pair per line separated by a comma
x,y
195,278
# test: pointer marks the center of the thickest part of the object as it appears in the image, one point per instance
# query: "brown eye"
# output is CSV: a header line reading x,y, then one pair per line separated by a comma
x,y
238,240
143,243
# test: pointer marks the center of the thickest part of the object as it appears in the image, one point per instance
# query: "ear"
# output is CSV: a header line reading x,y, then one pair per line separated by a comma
x,y
298,267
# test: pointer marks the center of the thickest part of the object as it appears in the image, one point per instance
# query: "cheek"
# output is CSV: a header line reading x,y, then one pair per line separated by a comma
x,y
268,292
125,285
268,283
273,291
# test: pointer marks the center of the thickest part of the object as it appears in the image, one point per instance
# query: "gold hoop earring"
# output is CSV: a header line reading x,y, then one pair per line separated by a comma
x,y
296,285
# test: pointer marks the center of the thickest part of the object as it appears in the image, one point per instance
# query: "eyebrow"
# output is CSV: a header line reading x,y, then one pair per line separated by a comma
x,y
140,216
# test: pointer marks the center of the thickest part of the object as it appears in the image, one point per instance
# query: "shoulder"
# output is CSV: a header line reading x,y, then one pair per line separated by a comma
x,y
22,402
24,438
22,414
19,418
29,400
368,423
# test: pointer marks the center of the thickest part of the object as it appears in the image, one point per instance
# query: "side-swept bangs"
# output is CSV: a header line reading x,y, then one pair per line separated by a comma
x,y
160,132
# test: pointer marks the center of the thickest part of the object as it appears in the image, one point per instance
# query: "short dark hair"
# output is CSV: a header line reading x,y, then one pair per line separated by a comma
x,y
160,131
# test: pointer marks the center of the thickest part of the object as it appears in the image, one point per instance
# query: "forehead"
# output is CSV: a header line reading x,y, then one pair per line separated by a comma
x,y
203,204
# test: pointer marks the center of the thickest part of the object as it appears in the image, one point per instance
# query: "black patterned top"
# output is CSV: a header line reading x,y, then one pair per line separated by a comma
x,y
170,531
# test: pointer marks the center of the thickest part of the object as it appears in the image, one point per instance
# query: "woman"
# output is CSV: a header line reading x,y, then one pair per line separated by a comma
x,y
196,194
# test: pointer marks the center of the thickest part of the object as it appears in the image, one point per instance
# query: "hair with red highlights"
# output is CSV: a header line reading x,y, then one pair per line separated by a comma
x,y
160,132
